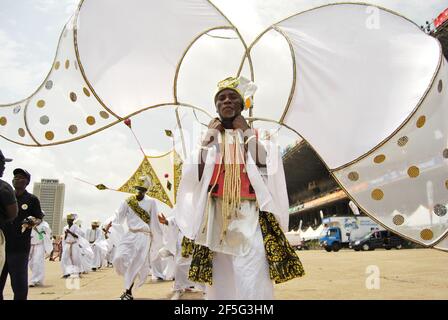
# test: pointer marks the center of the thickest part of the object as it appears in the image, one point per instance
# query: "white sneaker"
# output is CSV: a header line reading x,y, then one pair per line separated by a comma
x,y
177,294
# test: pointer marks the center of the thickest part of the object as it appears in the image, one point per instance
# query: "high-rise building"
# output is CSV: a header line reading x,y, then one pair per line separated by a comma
x,y
51,195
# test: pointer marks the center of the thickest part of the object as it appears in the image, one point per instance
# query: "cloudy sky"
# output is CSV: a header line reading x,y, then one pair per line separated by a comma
x,y
29,31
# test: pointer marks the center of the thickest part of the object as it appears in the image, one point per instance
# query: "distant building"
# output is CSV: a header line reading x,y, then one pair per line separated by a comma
x,y
51,194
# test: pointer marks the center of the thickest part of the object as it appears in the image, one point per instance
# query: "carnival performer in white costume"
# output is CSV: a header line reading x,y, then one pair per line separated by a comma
x,y
232,201
181,248
133,255
41,245
71,251
97,243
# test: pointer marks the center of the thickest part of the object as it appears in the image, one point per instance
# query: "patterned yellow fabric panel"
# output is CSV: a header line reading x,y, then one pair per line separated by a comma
x,y
187,247
284,264
201,265
156,191
177,173
139,211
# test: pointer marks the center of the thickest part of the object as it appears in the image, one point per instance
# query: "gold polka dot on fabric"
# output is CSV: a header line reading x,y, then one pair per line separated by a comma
x,y
86,91
49,85
73,129
67,64
57,65
380,158
44,120
40,103
21,132
440,210
353,176
3,121
377,194
398,220
426,234
445,153
90,120
73,96
49,135
402,141
104,115
413,172
440,86
421,121
446,184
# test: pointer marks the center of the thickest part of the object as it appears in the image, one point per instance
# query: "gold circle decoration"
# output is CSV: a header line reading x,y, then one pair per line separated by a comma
x,y
104,115
413,172
379,158
402,141
49,135
353,176
440,210
445,153
440,86
57,65
40,103
44,120
21,132
446,184
426,234
86,91
67,64
73,129
90,120
73,96
3,121
398,220
49,85
421,121
377,194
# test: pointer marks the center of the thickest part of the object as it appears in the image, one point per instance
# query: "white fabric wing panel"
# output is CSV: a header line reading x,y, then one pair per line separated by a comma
x,y
130,49
404,183
354,84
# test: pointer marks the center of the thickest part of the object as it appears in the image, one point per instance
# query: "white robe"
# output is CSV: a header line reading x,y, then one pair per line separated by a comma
x,y
114,235
133,255
98,245
40,245
240,271
182,265
71,252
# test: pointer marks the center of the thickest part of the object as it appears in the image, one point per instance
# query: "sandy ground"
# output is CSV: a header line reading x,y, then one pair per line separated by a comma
x,y
403,274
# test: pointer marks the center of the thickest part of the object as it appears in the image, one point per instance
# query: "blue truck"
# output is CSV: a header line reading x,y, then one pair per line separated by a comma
x,y
340,231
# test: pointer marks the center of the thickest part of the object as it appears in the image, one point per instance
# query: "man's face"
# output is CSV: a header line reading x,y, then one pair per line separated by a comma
x,y
20,181
2,168
94,226
70,222
140,192
228,104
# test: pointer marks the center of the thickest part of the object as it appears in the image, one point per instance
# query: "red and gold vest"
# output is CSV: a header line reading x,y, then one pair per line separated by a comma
x,y
247,191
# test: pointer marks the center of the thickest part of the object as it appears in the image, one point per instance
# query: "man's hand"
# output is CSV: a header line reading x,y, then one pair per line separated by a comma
x,y
240,123
162,219
214,127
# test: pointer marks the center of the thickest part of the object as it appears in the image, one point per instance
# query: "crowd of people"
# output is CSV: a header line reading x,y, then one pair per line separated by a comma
x,y
225,236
